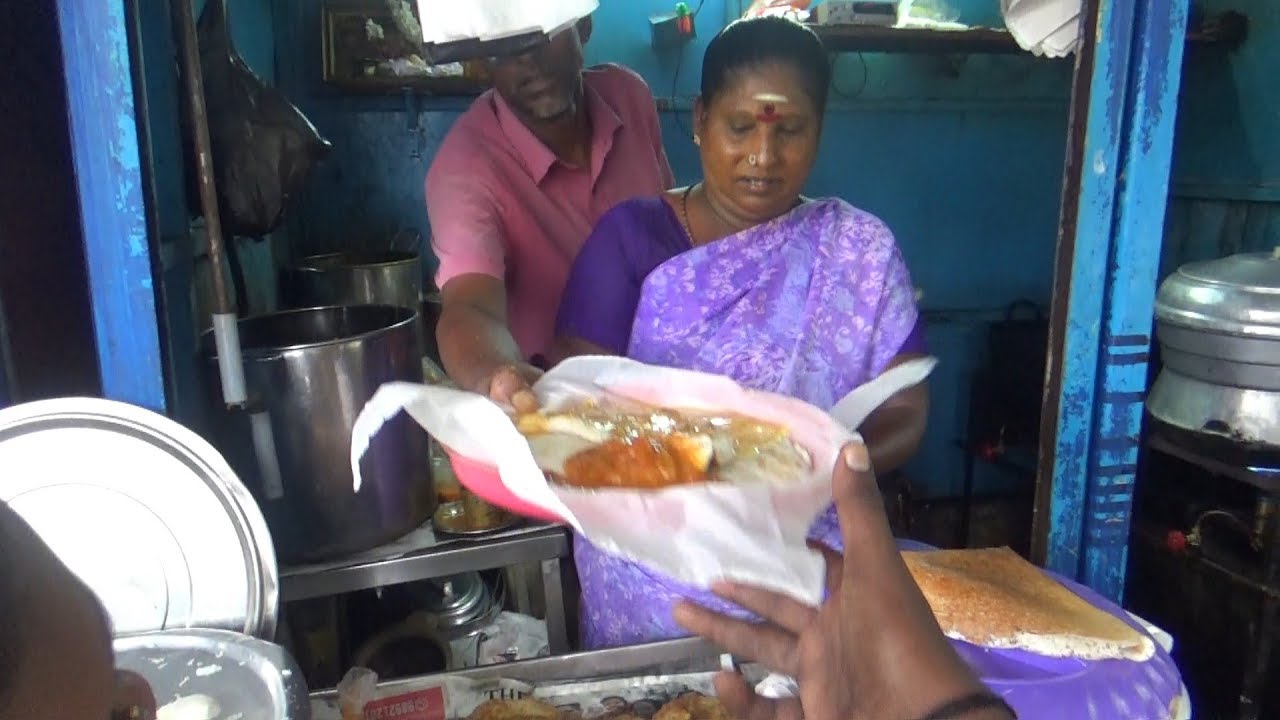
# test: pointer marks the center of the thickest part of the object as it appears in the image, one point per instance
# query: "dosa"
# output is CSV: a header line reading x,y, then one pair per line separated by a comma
x,y
994,598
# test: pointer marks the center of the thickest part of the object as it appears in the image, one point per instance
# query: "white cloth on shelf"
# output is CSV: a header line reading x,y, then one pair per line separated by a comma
x,y
445,21
1049,28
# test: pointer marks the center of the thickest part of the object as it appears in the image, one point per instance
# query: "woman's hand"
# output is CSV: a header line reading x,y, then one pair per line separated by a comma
x,y
873,650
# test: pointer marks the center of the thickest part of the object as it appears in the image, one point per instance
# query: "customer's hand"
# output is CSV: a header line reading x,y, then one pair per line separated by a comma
x,y
873,650
512,385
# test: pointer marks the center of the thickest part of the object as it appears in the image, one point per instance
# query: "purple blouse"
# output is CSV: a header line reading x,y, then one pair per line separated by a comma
x,y
600,300
811,304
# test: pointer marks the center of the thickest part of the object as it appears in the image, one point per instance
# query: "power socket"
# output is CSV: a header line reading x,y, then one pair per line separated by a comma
x,y
671,30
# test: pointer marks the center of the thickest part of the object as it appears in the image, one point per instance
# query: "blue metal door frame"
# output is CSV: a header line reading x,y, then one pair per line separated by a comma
x,y
109,177
1115,193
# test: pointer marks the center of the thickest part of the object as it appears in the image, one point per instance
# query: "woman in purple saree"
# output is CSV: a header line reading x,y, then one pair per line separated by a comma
x,y
741,276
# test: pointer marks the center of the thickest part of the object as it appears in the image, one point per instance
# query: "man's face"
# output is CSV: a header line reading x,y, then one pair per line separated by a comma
x,y
545,83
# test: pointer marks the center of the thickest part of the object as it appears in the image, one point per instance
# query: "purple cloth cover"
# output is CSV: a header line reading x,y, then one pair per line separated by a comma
x,y
811,304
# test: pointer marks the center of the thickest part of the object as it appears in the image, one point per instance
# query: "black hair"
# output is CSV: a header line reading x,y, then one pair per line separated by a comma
x,y
752,42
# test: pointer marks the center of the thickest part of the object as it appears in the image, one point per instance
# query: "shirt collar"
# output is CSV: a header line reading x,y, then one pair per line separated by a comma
x,y
538,158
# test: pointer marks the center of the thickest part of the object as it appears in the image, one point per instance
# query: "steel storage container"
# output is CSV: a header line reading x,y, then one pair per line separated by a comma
x,y
390,277
312,371
1218,323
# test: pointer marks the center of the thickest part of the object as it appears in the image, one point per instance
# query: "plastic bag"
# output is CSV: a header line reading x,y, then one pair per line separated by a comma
x,y
263,147
796,9
357,688
753,532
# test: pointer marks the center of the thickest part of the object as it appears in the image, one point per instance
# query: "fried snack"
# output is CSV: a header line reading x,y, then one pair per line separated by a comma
x,y
992,597
642,447
693,707
641,463
522,709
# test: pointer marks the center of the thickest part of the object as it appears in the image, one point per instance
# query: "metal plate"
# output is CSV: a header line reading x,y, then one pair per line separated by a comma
x,y
250,679
142,510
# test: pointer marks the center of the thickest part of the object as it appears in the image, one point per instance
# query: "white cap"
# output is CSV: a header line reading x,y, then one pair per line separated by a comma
x,y
447,21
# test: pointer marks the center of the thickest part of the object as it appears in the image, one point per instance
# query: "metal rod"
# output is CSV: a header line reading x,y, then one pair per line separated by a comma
x,y
1067,223
193,78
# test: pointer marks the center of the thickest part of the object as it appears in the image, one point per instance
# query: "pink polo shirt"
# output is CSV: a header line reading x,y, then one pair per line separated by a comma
x,y
502,204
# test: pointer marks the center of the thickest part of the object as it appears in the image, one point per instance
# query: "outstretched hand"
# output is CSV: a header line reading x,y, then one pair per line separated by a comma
x,y
872,650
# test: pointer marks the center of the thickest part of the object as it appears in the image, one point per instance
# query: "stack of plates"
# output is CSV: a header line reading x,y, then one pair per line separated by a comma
x,y
1049,28
142,510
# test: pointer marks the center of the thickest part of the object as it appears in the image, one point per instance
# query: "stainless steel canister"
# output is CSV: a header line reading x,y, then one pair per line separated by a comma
x,y
363,277
312,371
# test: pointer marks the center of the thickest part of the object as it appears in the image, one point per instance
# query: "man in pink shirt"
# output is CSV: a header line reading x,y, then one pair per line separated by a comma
x,y
514,191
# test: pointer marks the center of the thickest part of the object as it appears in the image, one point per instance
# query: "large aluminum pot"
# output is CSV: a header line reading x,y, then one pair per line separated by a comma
x,y
361,277
1218,323
312,371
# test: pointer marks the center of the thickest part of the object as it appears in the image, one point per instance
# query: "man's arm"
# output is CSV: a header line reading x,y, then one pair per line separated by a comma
x,y
475,342
477,347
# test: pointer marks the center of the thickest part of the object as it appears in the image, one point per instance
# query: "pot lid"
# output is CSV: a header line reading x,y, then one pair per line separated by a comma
x,y
458,599
144,512
1237,295
242,676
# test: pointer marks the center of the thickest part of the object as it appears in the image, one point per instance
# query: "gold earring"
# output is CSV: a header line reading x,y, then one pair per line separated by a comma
x,y
697,140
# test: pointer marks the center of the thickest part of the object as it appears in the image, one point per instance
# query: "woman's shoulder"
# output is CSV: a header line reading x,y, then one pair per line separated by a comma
x,y
635,225
849,225
641,216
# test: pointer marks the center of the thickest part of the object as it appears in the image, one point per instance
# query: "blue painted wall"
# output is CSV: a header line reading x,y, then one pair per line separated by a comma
x,y
961,156
1226,171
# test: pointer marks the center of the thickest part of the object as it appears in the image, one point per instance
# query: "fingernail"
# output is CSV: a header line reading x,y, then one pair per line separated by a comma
x,y
856,458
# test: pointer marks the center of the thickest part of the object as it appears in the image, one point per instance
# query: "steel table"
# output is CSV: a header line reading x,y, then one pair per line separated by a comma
x,y
421,556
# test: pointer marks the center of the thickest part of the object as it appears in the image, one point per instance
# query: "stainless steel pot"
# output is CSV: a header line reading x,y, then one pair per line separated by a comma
x,y
1218,324
313,371
364,277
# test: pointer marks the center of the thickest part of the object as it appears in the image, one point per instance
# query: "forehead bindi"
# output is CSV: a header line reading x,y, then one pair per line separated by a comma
x,y
769,103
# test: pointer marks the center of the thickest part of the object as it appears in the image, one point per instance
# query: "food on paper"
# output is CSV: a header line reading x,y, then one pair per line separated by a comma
x,y
994,598
693,707
616,445
522,709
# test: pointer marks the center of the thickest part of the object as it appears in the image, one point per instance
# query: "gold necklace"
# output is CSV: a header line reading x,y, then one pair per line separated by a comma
x,y
684,212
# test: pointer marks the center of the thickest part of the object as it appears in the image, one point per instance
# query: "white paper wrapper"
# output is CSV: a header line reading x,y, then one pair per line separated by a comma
x,y
750,532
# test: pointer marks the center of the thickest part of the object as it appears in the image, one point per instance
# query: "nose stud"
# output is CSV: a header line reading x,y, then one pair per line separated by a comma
x,y
752,160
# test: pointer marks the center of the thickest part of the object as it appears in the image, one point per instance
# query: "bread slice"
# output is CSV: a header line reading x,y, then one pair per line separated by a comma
x,y
994,598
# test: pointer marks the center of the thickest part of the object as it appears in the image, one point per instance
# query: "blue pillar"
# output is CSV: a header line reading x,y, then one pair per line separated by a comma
x,y
104,146
1114,253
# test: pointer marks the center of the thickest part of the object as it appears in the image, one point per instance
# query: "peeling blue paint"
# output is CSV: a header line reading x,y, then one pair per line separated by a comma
x,y
1129,136
104,139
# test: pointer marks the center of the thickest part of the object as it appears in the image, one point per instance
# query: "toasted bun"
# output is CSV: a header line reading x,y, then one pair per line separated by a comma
x,y
693,707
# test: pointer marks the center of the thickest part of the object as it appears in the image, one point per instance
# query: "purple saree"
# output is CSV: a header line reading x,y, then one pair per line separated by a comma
x,y
811,304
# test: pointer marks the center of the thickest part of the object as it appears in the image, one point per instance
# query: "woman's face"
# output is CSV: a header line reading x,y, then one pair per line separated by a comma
x,y
65,668
758,140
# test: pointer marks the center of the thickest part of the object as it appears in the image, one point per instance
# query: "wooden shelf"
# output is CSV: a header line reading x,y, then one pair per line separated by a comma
x,y
1227,29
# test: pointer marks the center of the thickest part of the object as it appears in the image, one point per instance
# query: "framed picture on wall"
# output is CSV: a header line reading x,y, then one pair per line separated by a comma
x,y
375,46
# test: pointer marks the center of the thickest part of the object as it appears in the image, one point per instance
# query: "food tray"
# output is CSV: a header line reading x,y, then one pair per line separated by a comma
x,y
588,684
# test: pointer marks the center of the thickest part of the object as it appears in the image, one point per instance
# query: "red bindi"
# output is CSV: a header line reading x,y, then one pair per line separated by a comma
x,y
769,114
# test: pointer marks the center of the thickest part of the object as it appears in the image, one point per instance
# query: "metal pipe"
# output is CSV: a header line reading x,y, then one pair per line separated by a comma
x,y
226,331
